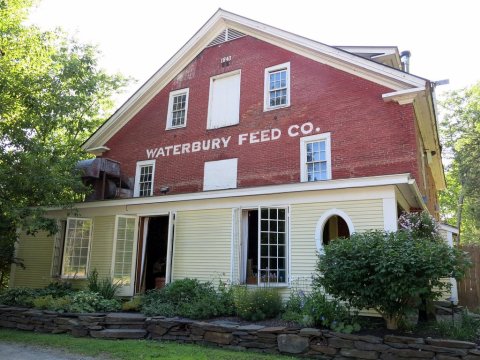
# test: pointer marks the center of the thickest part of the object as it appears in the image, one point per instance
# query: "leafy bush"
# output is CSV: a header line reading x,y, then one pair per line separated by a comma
x,y
105,287
48,302
389,272
87,301
79,302
189,298
257,304
133,304
316,309
19,296
467,329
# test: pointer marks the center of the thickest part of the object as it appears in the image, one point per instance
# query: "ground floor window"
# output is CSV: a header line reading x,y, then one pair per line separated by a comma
x,y
334,228
76,250
265,245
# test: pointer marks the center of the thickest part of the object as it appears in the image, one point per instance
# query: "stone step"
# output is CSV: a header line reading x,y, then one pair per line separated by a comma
x,y
119,334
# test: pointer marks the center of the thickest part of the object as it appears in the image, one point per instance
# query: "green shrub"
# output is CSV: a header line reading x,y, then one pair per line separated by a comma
x,y
87,301
295,310
389,272
133,304
315,309
48,302
19,296
467,329
58,289
105,287
189,298
257,304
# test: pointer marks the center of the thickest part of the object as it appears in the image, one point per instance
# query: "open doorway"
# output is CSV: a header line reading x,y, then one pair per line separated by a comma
x,y
152,258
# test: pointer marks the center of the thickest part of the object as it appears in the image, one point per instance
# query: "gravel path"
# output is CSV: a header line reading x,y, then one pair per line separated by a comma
x,y
16,351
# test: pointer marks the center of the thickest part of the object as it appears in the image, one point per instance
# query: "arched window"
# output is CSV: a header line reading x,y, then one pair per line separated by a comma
x,y
332,224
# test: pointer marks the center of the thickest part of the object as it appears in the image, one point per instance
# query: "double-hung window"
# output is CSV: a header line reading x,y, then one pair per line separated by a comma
x,y
177,109
277,86
144,178
76,249
315,158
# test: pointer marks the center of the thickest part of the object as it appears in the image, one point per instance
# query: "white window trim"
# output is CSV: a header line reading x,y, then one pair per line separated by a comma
x,y
303,154
266,86
210,97
87,267
170,108
125,290
321,225
136,189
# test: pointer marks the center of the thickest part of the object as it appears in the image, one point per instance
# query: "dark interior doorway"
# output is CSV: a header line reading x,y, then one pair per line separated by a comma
x,y
334,228
156,252
252,247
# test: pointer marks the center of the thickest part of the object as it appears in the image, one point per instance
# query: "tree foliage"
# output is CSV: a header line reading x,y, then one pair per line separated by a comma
x,y
460,132
53,95
390,271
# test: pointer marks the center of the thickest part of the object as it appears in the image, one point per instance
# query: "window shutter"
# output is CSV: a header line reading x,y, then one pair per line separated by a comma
x,y
224,107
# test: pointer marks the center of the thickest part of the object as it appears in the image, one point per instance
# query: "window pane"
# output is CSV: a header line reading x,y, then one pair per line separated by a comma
x,y
77,243
275,247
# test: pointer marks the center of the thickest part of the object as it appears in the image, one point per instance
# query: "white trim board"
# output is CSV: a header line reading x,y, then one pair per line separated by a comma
x,y
362,182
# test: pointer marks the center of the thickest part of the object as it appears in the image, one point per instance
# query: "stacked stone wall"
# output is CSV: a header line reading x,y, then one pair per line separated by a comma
x,y
302,342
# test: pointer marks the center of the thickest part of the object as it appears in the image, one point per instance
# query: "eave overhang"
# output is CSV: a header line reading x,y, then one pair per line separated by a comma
x,y
423,100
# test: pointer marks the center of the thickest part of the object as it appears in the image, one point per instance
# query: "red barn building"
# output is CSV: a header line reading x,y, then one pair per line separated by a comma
x,y
245,154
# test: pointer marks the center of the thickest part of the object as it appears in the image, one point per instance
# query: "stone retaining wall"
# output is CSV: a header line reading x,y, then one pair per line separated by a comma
x,y
306,342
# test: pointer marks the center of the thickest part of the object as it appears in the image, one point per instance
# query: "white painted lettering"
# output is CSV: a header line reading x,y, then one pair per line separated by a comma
x,y
206,145
151,153
215,143
185,148
306,128
254,137
242,138
168,148
276,133
160,152
225,141
176,149
196,146
293,130
265,135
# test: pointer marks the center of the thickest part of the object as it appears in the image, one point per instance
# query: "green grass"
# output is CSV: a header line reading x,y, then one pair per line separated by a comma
x,y
129,349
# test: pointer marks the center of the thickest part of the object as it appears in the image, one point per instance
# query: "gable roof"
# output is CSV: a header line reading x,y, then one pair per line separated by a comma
x,y
223,22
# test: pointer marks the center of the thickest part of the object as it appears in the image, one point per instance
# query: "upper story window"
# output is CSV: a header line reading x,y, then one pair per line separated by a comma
x,y
277,86
315,159
144,178
224,102
177,109
76,249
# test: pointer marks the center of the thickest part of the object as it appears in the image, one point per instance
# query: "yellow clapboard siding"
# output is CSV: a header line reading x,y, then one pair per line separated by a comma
x,y
36,252
202,245
101,249
365,215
